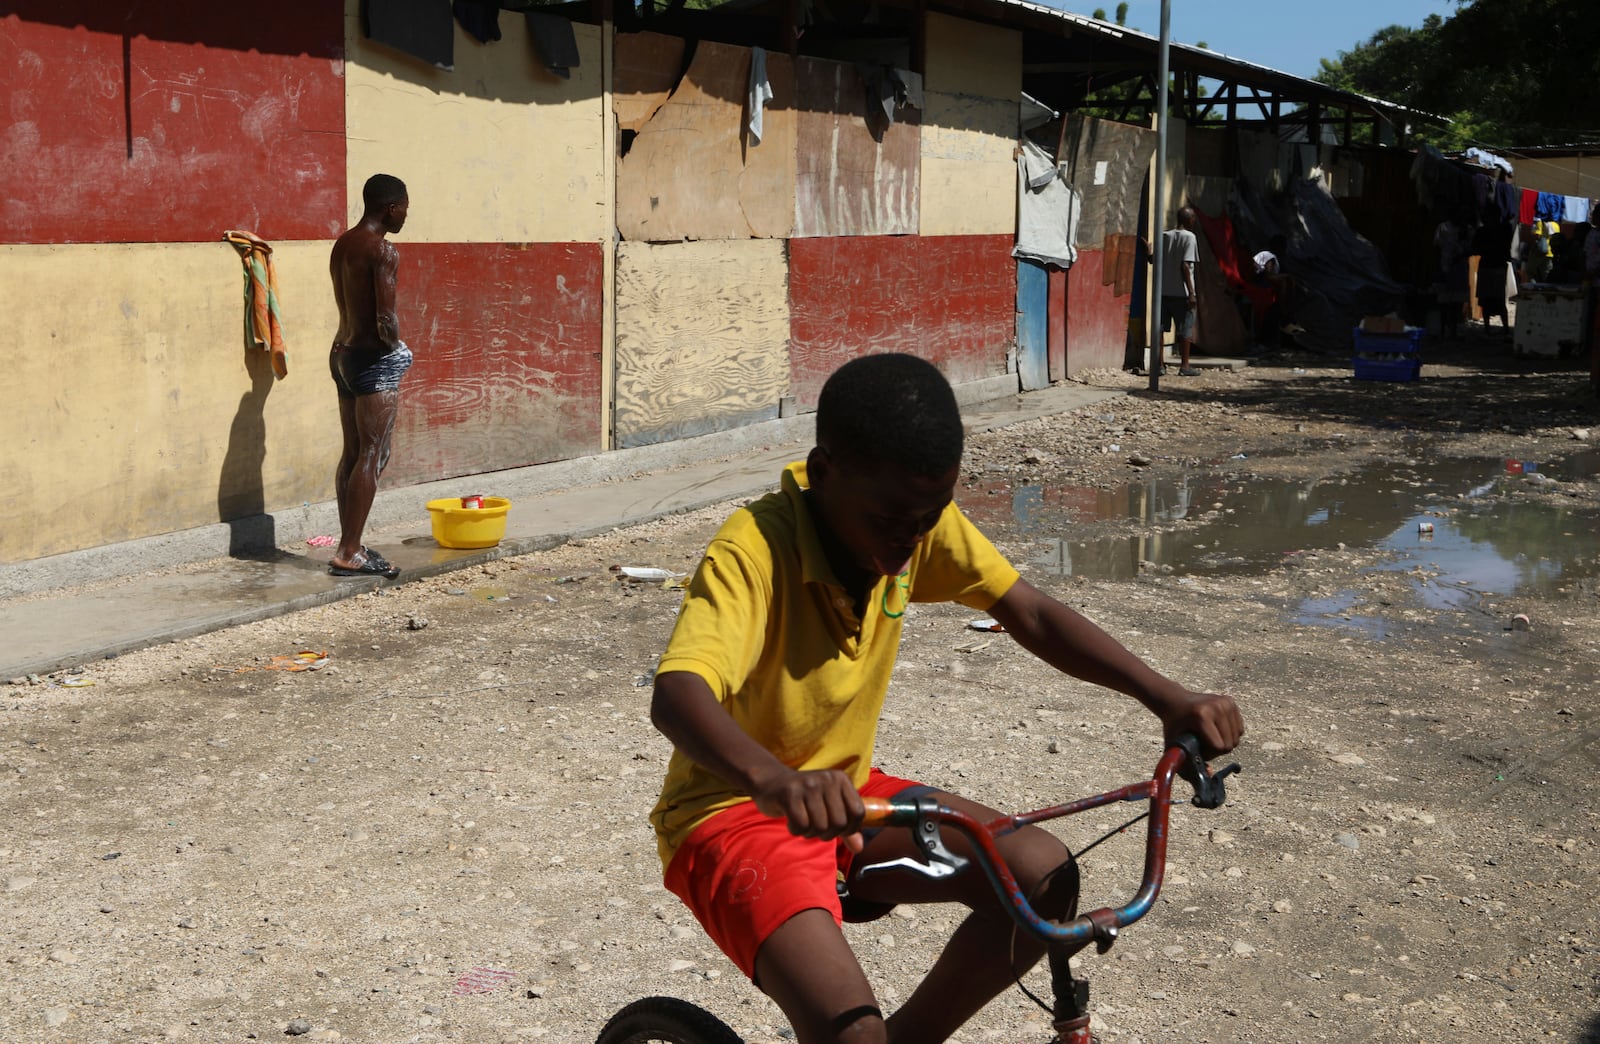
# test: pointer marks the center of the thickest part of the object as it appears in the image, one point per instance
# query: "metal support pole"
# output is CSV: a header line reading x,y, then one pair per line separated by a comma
x,y
1158,209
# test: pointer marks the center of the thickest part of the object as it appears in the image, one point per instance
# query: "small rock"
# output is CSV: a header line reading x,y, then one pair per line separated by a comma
x,y
679,964
1283,906
1138,460
56,1016
1219,837
62,955
1243,949
297,1027
1349,841
18,884
416,623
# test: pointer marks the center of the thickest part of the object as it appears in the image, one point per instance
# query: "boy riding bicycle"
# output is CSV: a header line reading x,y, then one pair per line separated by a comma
x,y
770,690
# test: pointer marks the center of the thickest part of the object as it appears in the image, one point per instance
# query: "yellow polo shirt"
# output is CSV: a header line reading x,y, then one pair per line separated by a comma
x,y
776,637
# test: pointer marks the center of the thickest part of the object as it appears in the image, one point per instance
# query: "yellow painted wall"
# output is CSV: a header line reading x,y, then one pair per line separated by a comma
x,y
498,150
969,128
702,337
137,409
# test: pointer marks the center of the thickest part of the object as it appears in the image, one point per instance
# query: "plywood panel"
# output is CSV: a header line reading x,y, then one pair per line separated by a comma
x,y
648,66
507,345
690,173
948,299
499,151
1108,163
1097,316
702,338
847,183
968,177
972,58
146,122
144,411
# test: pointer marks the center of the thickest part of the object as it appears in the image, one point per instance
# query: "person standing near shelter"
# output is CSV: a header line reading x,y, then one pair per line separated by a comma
x,y
771,689
368,360
1180,252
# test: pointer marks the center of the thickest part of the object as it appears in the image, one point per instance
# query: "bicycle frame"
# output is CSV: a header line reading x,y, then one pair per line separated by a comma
x,y
924,817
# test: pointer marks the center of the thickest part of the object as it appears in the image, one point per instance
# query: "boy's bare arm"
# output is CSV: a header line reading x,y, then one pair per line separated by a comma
x,y
1072,644
820,804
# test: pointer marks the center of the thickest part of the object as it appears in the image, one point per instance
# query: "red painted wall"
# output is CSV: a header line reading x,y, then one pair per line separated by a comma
x,y
948,299
1097,317
507,344
170,120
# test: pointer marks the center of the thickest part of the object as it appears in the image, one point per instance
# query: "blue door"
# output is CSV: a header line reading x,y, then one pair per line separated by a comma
x,y
1033,325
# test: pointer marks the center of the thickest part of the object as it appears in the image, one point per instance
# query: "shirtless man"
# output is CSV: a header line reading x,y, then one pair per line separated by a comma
x,y
368,360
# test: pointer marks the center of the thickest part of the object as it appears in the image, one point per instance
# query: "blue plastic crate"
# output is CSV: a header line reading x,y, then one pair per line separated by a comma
x,y
1392,369
1388,343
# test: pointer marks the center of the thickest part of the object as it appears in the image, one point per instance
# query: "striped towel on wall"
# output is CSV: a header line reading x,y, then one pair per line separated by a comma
x,y
262,321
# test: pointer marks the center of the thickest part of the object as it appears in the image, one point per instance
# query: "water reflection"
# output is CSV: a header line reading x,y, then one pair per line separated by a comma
x,y
1436,514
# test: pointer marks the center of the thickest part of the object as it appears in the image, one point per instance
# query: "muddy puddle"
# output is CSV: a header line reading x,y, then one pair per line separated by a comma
x,y
1446,516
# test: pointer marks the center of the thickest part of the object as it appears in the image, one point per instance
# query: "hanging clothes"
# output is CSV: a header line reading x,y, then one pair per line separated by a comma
x,y
759,92
262,322
1549,206
1047,209
1527,207
1576,208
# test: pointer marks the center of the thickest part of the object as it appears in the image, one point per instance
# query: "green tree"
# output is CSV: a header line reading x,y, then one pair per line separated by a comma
x,y
1506,72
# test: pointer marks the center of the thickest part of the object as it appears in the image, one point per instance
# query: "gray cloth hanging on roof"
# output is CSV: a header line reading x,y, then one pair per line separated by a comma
x,y
555,41
888,90
1047,209
421,28
760,93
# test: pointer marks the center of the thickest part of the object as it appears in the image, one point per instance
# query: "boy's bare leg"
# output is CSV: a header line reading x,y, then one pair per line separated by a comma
x,y
370,420
976,964
807,967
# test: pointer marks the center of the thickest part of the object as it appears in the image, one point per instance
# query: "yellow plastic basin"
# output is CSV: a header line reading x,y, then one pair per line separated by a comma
x,y
456,526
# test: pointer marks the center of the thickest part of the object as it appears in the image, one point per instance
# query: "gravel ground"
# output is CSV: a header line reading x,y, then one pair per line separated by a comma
x,y
439,833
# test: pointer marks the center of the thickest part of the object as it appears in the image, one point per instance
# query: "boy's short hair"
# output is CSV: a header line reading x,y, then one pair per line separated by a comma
x,y
891,409
381,190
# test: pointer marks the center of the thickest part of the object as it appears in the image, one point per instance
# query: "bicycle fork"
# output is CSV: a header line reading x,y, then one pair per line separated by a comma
x,y
1071,1012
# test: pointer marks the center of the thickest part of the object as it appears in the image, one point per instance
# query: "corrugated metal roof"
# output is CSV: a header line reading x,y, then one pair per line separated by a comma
x,y
1206,62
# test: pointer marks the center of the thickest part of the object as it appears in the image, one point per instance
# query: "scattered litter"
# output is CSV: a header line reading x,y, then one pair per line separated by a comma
x,y
646,574
984,624
1238,456
304,660
1424,527
1520,622
573,578
491,594
77,681
481,980
321,541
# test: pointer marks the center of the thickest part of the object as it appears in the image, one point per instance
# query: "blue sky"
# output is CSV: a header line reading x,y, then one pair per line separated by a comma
x,y
1290,35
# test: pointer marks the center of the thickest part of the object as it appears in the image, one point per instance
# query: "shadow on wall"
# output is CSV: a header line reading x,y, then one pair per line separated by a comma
x,y
241,489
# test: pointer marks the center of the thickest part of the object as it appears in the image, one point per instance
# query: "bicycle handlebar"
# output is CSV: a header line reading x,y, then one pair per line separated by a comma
x,y
924,816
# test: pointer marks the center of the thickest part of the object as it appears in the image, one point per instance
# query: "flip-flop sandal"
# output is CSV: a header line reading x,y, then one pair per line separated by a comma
x,y
380,562
370,564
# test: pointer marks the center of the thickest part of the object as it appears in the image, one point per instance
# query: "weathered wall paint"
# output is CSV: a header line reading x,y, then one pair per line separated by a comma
x,y
973,85
139,410
507,344
149,122
501,150
1096,316
702,337
846,182
949,299
691,173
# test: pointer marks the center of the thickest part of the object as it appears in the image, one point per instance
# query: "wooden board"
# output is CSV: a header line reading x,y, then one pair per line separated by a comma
x,y
691,172
1107,162
847,183
702,338
948,299
648,66
164,123
969,176
507,345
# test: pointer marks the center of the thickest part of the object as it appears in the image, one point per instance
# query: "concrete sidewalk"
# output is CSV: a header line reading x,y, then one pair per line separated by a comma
x,y
174,587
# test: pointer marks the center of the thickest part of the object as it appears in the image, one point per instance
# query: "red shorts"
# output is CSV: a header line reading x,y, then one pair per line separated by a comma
x,y
742,874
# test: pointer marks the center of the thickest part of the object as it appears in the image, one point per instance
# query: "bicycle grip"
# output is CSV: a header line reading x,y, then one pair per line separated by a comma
x,y
880,813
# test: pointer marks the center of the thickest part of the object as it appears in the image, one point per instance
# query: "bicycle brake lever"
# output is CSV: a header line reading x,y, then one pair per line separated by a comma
x,y
940,861
1209,789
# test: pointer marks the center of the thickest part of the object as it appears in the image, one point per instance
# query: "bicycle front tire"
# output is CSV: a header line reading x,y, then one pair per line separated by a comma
x,y
666,1020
